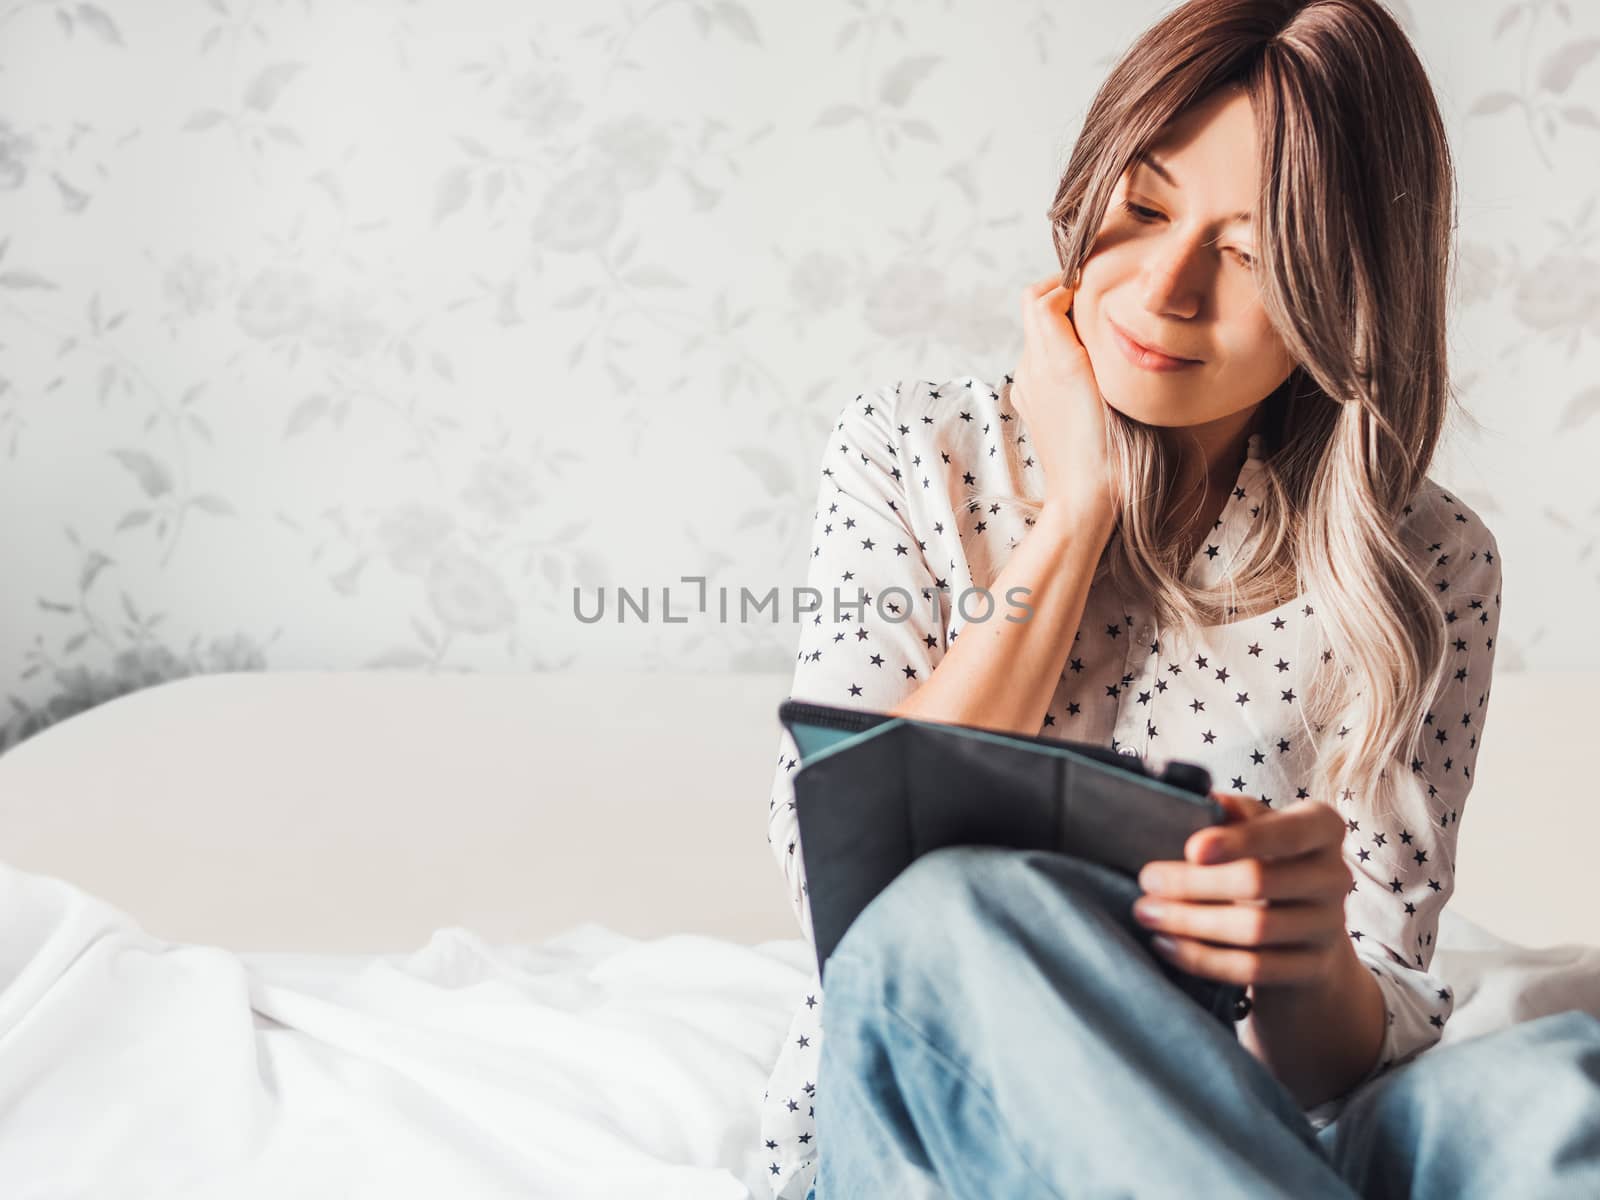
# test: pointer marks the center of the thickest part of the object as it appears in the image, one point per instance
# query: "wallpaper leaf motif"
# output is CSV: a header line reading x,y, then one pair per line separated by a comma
x,y
386,335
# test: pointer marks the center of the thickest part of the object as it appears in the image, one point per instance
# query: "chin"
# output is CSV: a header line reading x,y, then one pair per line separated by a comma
x,y
1147,401
1158,415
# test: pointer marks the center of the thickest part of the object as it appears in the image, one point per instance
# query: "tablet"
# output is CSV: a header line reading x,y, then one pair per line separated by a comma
x,y
874,792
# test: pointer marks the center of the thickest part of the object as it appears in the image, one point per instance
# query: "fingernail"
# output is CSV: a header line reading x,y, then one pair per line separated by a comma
x,y
1146,909
1163,943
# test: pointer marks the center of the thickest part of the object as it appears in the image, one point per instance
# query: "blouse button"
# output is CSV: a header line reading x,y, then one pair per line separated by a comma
x,y
1126,750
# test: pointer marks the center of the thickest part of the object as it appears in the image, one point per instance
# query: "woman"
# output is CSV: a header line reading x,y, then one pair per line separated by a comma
x,y
1208,474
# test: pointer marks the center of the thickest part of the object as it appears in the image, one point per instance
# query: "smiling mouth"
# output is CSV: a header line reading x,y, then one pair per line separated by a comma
x,y
1142,356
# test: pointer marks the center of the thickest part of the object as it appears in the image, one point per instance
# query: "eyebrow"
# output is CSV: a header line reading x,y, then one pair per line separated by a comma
x,y
1150,161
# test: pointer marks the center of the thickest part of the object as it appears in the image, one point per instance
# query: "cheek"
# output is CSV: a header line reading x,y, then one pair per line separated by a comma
x,y
1085,306
1265,351
1086,300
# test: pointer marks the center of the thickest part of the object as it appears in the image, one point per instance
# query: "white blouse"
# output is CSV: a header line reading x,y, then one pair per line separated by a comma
x,y
892,512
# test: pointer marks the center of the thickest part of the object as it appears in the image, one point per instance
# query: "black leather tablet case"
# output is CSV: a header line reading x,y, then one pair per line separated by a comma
x,y
874,792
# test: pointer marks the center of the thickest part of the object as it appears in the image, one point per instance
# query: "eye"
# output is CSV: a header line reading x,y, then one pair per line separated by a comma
x,y
1146,215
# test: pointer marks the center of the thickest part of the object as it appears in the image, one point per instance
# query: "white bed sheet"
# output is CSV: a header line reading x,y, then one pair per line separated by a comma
x,y
591,1064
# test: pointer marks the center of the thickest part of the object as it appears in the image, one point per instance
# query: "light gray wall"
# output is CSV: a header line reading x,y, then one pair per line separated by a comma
x,y
344,334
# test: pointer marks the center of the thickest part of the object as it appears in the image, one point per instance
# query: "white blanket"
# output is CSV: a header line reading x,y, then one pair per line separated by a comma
x,y
590,1065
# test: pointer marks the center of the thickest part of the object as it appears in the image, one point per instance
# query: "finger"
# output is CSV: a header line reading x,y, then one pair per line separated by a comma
x,y
1210,845
1041,288
1284,834
1290,923
1233,965
1055,309
1057,300
1042,314
1310,876
1240,806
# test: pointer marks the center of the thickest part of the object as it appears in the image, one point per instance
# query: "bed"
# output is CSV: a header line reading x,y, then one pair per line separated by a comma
x,y
388,933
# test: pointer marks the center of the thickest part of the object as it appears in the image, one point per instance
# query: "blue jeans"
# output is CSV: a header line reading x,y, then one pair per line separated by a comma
x,y
996,1025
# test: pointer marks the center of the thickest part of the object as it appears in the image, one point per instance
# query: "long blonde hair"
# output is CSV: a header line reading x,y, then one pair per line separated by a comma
x,y
1353,231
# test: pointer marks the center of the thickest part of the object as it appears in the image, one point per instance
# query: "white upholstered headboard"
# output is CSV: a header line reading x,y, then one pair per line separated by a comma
x,y
350,811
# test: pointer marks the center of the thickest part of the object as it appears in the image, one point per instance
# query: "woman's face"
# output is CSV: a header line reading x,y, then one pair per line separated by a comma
x,y
1171,268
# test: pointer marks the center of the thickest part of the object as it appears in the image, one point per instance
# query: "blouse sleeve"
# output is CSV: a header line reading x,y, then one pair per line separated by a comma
x,y
1404,866
886,634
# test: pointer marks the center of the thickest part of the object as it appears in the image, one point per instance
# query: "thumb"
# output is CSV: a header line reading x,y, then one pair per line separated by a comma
x,y
1239,806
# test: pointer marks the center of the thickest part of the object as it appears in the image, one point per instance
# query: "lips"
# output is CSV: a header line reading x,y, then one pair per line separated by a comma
x,y
1149,348
1141,355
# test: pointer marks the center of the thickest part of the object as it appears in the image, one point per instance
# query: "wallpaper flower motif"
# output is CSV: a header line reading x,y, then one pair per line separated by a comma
x,y
357,335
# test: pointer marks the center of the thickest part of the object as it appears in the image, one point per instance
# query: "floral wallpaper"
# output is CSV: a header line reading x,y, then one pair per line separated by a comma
x,y
393,333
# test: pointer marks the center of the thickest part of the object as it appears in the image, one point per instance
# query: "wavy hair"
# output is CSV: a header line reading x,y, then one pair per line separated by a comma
x,y
1354,229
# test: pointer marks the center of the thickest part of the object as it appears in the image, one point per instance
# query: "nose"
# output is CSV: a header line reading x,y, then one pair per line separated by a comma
x,y
1171,279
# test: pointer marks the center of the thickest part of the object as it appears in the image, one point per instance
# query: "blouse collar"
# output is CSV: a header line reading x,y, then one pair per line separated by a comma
x,y
1228,541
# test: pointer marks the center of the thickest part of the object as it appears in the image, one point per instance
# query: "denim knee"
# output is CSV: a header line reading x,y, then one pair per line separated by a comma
x,y
952,900
1519,1103
1514,1076
920,911
1542,1048
1576,1025
1572,1039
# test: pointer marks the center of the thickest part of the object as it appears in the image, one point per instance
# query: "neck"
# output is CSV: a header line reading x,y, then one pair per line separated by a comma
x,y
1210,456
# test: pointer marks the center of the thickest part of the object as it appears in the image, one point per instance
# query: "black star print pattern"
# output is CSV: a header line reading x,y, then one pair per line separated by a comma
x,y
893,519
1404,864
